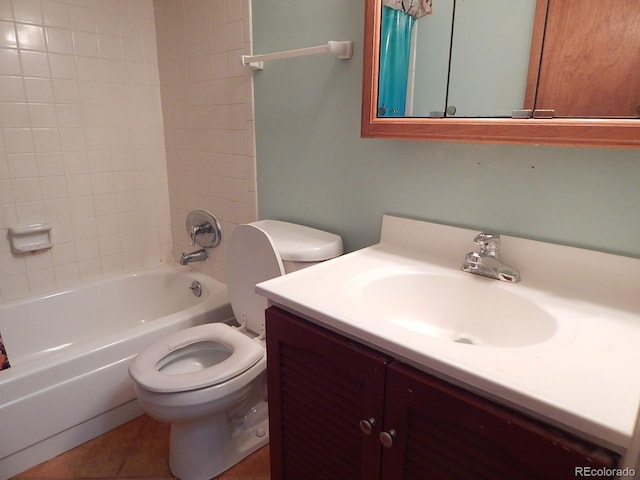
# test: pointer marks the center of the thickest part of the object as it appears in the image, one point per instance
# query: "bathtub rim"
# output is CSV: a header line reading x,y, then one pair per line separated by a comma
x,y
217,299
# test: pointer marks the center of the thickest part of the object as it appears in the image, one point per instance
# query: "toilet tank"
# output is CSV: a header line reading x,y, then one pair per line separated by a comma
x,y
300,246
264,250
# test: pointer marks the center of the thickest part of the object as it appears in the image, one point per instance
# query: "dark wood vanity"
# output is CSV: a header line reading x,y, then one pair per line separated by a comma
x,y
341,410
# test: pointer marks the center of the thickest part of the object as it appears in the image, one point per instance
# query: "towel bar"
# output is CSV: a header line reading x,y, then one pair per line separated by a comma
x,y
342,49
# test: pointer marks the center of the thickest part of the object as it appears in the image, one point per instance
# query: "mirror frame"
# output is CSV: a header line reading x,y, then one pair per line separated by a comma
x,y
618,133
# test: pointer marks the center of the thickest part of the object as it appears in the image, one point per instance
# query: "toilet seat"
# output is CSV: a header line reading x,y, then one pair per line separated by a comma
x,y
244,353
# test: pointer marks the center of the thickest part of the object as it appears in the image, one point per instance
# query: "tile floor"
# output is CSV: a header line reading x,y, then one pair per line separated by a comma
x,y
137,450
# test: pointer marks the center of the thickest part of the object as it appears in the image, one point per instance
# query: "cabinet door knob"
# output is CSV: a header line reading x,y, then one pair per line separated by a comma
x,y
386,438
367,426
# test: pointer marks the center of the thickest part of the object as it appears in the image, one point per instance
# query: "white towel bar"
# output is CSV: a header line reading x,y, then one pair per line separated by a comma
x,y
342,49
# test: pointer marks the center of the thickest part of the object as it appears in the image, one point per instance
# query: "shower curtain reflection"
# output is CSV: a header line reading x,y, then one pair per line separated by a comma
x,y
395,48
4,359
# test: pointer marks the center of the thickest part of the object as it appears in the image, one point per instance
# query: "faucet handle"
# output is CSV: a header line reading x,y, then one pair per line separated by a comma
x,y
198,229
203,229
489,242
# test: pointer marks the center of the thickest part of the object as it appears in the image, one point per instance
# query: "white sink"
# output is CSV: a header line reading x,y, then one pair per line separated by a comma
x,y
463,308
562,343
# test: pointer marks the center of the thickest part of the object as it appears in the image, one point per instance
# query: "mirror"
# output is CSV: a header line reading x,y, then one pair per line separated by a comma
x,y
467,58
542,83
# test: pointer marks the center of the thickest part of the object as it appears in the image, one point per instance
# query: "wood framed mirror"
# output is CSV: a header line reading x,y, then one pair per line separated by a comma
x,y
621,132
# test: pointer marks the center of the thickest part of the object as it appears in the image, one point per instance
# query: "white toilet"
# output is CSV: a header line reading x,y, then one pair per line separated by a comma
x,y
209,381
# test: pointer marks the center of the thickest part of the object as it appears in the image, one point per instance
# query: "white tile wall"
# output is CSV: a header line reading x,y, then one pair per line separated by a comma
x,y
81,140
208,116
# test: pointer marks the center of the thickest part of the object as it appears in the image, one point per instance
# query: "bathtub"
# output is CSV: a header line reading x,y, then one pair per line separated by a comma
x,y
70,351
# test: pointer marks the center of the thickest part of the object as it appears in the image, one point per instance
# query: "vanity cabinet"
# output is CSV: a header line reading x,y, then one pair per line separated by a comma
x,y
340,410
320,387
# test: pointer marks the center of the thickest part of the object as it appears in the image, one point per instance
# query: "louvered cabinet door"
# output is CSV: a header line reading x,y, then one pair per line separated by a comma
x,y
321,387
441,432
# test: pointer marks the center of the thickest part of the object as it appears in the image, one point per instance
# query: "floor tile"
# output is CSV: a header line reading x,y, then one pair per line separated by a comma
x,y
255,466
137,450
151,453
101,457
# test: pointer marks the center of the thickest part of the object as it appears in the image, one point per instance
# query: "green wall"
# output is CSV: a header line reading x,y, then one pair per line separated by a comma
x,y
313,167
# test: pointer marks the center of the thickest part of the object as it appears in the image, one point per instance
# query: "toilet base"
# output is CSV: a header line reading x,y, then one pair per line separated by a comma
x,y
201,450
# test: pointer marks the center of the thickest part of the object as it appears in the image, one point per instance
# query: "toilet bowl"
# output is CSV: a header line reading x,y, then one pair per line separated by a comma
x,y
209,381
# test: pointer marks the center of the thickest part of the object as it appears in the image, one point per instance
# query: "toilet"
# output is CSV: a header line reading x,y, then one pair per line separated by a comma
x,y
209,381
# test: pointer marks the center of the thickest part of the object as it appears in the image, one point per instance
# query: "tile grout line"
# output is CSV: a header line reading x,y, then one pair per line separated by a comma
x,y
131,449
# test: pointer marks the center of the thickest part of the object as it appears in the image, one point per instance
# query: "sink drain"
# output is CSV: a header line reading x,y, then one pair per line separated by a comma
x,y
465,340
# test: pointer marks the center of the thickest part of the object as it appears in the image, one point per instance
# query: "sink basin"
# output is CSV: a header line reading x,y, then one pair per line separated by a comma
x,y
462,308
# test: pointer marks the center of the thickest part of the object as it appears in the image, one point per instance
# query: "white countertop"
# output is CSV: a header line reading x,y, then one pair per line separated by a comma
x,y
583,379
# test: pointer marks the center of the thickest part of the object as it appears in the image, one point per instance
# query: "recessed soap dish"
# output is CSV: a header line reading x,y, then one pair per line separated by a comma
x,y
30,238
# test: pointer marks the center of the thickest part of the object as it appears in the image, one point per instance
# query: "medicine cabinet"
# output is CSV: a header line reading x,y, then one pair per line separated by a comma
x,y
574,81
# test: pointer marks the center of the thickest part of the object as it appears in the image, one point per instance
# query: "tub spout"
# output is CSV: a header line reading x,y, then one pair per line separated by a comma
x,y
196,256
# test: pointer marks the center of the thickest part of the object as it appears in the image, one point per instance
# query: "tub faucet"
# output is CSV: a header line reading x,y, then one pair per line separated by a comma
x,y
196,256
487,261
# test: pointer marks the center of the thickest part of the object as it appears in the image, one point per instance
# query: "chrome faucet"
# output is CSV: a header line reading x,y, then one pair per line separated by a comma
x,y
196,256
198,229
487,261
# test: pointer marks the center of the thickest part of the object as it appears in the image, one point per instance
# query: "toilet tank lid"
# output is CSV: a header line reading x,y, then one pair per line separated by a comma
x,y
299,243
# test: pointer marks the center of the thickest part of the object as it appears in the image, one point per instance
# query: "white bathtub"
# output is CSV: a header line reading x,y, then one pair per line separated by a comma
x,y
70,352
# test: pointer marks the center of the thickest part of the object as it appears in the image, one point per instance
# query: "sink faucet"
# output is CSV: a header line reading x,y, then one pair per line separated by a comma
x,y
196,256
487,261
